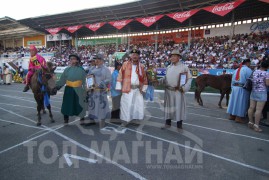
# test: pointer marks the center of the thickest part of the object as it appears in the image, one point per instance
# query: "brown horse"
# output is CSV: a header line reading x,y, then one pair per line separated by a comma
x,y
46,79
222,83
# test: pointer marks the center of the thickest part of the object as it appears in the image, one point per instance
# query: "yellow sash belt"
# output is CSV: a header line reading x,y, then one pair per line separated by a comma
x,y
74,83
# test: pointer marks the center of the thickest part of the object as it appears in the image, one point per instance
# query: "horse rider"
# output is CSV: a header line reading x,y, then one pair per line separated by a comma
x,y
36,62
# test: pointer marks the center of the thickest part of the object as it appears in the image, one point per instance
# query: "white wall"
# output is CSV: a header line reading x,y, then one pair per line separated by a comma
x,y
239,29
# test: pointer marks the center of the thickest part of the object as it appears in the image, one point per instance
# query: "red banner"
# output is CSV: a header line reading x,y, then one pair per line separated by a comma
x,y
182,16
120,24
177,37
72,29
94,27
148,21
266,1
224,8
54,31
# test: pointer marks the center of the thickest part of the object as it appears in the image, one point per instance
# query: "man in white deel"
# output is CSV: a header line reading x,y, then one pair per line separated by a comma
x,y
132,81
177,81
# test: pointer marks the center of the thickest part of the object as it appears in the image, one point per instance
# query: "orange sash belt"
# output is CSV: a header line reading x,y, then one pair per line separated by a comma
x,y
74,83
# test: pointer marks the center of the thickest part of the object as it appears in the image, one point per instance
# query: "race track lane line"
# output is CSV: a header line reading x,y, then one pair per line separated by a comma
x,y
15,105
19,98
199,150
217,130
136,175
49,131
35,127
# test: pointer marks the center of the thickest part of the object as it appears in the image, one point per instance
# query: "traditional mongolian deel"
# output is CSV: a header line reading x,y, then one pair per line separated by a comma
x,y
175,101
74,94
98,104
131,81
239,100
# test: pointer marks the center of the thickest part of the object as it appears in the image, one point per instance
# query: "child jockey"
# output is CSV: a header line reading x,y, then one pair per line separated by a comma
x,y
36,62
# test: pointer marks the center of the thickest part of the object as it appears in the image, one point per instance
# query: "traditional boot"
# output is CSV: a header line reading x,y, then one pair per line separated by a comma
x,y
167,124
179,124
82,121
26,88
232,117
66,119
239,120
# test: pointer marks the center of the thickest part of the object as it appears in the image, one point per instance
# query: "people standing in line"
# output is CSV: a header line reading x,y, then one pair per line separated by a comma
x,y
98,105
258,96
152,77
74,98
115,94
132,81
239,99
36,62
7,76
175,100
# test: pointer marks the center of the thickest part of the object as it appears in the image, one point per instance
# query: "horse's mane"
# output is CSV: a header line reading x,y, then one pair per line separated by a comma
x,y
49,65
226,76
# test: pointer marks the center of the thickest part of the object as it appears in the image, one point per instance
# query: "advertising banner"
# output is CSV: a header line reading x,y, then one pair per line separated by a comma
x,y
94,27
120,24
58,37
238,29
91,42
182,16
38,41
73,29
177,37
224,8
54,30
148,21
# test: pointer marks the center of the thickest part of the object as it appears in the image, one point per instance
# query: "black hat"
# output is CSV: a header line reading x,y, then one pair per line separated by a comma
x,y
74,55
136,51
117,63
246,61
98,56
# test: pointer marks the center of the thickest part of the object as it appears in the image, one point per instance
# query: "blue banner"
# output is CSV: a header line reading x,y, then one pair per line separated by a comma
x,y
161,72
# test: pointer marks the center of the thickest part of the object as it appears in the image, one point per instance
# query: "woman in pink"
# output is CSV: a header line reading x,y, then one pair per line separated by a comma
x,y
258,96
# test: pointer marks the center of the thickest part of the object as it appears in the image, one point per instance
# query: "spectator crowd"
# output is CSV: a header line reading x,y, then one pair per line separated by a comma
x,y
207,53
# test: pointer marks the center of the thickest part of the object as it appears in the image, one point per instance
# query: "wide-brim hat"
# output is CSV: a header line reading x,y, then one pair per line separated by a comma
x,y
246,61
135,51
175,52
74,55
98,56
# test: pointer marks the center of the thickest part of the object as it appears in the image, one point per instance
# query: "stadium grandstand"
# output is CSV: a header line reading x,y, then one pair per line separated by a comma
x,y
156,27
133,114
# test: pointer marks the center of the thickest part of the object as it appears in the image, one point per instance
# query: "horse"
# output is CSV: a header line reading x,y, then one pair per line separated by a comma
x,y
43,85
222,83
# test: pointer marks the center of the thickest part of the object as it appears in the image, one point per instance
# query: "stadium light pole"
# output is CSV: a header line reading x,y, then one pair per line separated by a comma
x,y
189,33
117,40
128,38
156,37
76,41
232,29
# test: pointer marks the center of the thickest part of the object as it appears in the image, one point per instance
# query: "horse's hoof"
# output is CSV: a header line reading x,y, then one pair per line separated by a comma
x,y
38,124
52,121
